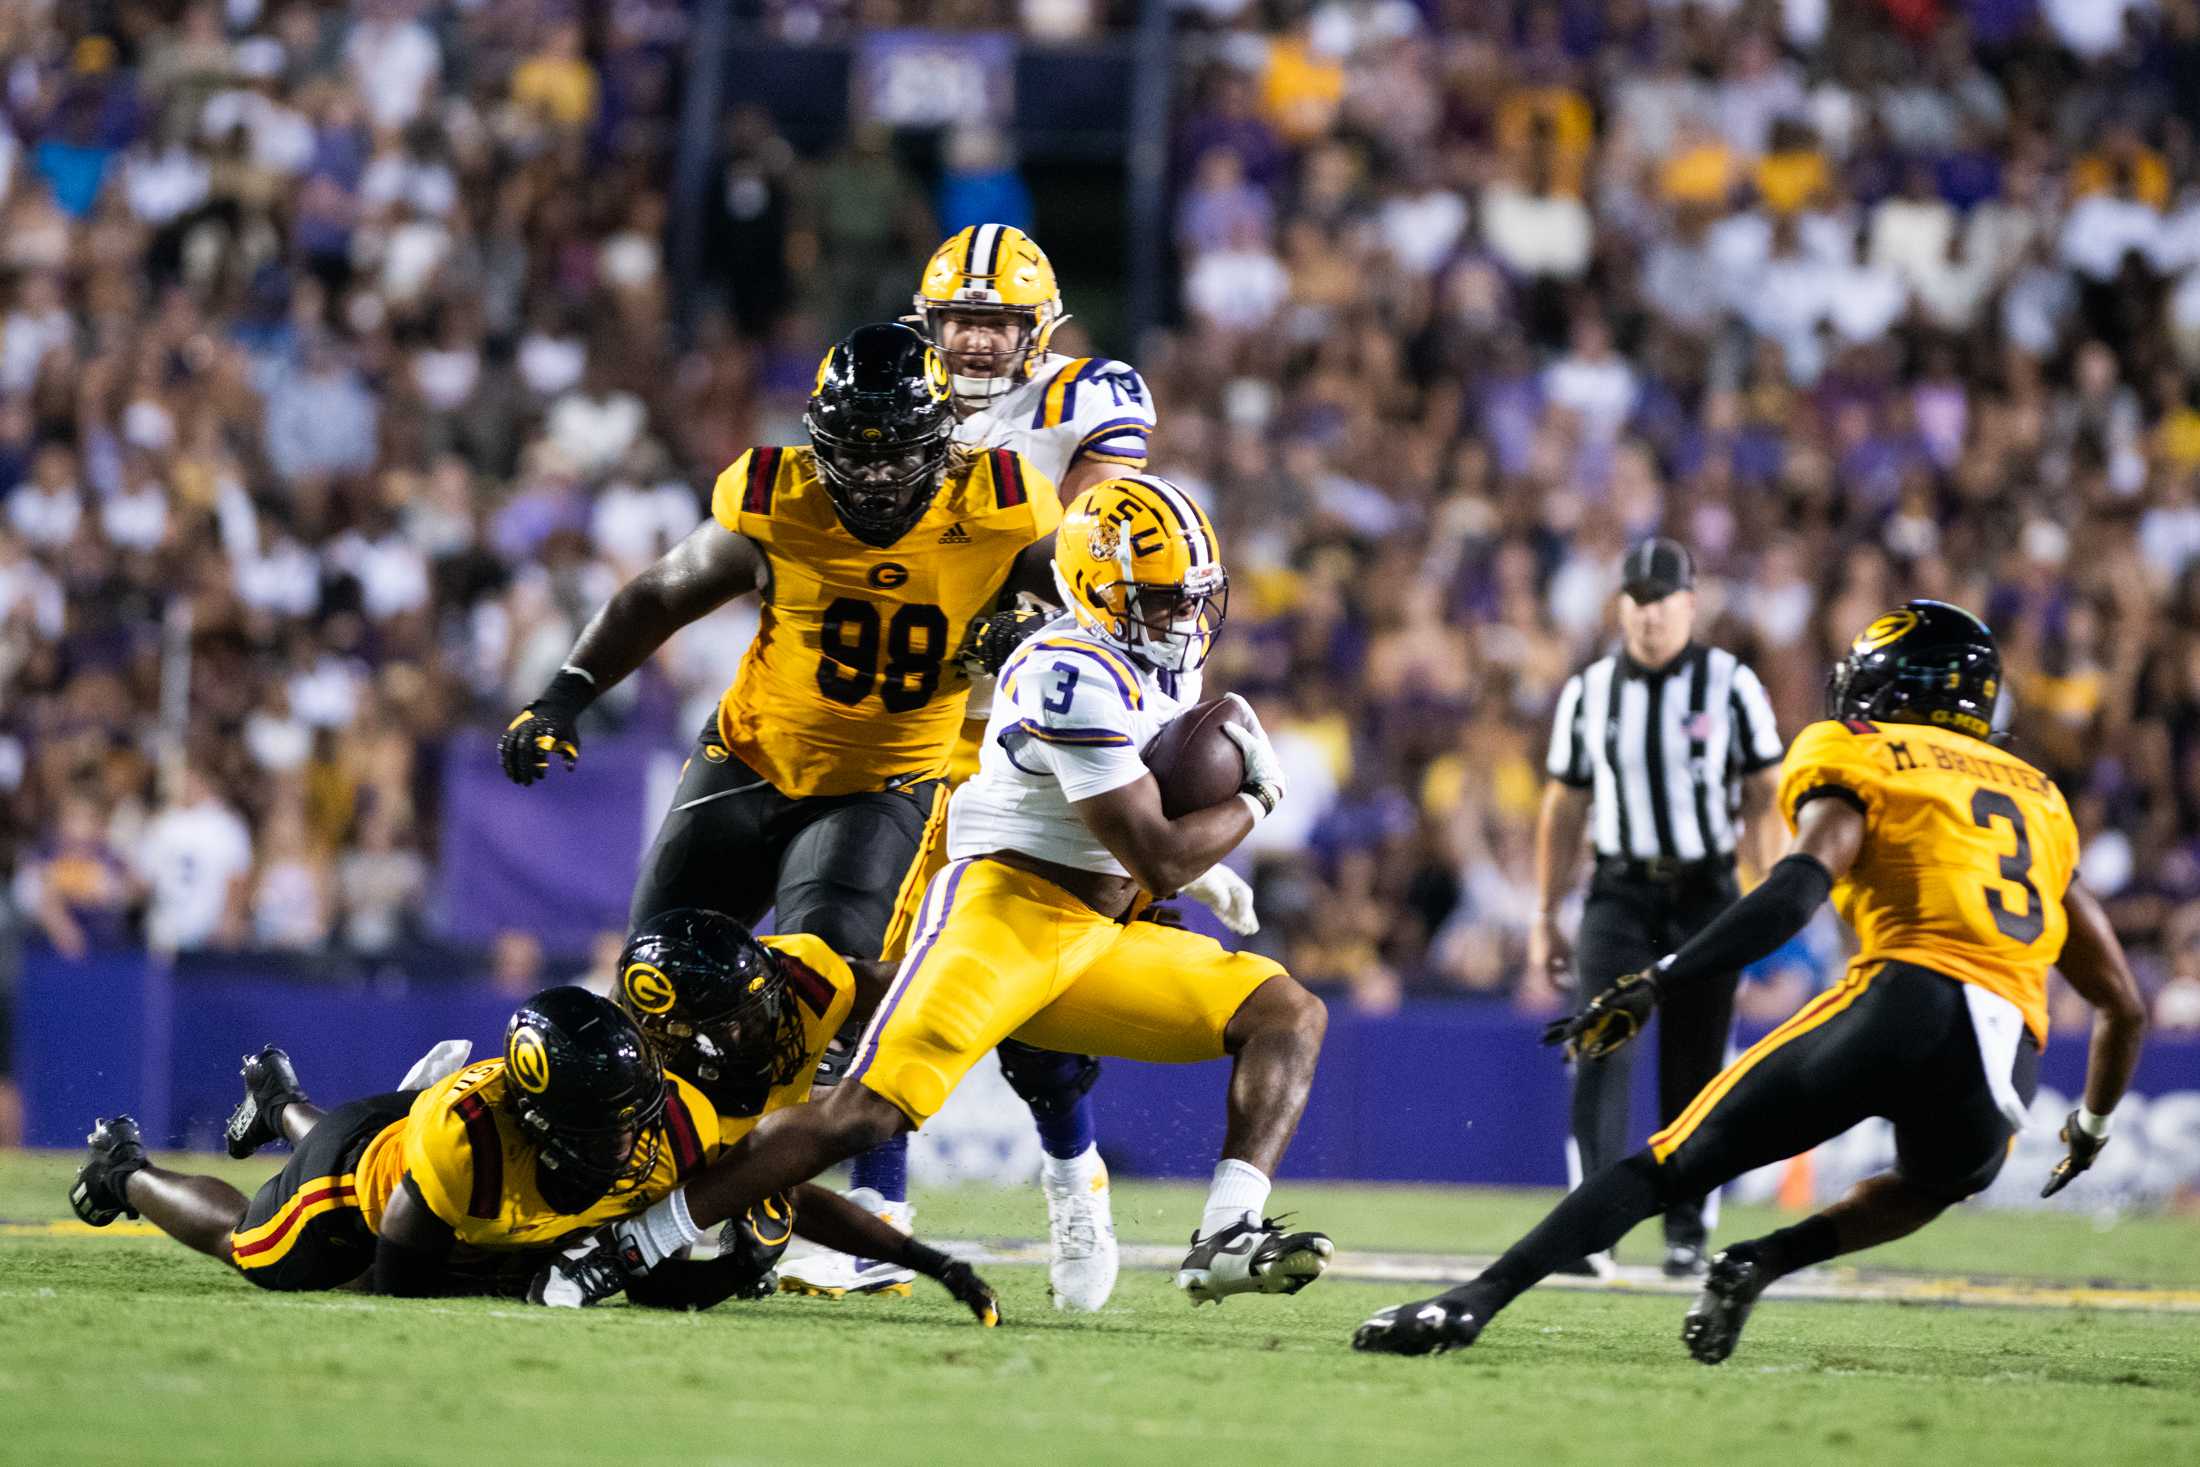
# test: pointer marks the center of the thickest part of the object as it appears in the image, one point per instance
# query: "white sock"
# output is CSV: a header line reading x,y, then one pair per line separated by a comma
x,y
666,1228
1239,1190
1071,1173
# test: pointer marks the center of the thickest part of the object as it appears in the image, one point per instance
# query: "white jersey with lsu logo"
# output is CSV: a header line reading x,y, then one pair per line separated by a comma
x,y
1070,715
1071,411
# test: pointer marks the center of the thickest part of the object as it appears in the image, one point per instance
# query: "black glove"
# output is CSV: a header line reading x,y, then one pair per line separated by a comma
x,y
959,1279
2083,1149
994,638
545,727
1610,1019
757,1237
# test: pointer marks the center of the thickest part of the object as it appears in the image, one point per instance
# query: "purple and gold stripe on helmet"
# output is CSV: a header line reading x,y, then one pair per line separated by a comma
x,y
939,903
1199,535
1084,738
983,262
1125,679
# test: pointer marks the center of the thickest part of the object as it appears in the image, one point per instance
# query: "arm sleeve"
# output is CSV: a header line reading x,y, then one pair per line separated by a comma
x,y
1756,732
1569,757
1074,719
1754,927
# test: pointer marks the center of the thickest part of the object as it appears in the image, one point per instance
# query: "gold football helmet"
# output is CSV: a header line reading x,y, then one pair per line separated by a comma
x,y
984,269
1137,562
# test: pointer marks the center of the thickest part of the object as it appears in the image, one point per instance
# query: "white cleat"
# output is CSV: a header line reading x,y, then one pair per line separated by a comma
x,y
1082,1259
825,1274
1252,1258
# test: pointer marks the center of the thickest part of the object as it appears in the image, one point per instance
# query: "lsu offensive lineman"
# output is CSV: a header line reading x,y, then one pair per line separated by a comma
x,y
1034,929
989,300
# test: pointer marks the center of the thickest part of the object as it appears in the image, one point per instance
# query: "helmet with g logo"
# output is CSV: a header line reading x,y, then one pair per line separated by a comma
x,y
882,424
1137,561
588,1093
1923,662
715,1005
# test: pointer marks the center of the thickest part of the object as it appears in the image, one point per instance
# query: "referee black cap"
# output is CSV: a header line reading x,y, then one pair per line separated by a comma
x,y
1657,568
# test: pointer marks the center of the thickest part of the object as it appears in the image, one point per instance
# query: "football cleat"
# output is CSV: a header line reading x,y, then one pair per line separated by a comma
x,y
1684,1261
825,1274
585,1274
270,1083
1424,1327
99,1193
1082,1259
1730,1289
1249,1258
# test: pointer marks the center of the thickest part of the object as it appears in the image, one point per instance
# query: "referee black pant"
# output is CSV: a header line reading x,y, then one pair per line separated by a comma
x,y
1634,917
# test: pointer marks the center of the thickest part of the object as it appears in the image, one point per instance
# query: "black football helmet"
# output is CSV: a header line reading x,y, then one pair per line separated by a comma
x,y
882,422
1923,662
716,1006
589,1094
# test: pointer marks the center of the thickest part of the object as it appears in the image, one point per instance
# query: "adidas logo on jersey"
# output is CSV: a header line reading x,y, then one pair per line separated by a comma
x,y
955,534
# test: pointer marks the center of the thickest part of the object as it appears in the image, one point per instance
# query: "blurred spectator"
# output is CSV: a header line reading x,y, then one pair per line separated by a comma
x,y
979,183
196,859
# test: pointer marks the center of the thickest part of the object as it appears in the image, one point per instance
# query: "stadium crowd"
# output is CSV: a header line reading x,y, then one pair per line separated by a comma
x,y
344,331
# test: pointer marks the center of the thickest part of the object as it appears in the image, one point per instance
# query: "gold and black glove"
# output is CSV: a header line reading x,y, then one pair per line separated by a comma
x,y
994,638
959,1279
2084,1147
546,726
1610,1019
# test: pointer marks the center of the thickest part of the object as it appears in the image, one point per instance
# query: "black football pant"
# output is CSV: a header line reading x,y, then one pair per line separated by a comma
x,y
833,865
1892,1040
1628,924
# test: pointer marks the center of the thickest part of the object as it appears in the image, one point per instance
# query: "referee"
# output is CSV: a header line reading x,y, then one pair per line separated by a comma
x,y
1665,751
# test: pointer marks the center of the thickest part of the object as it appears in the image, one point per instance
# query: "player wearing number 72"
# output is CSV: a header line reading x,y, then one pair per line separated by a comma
x,y
1954,861
880,551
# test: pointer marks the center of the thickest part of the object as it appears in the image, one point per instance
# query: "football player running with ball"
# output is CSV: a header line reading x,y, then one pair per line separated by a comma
x,y
989,301
1059,845
1953,861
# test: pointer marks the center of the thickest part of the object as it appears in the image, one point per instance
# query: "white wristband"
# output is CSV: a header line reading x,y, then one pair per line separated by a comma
x,y
2093,1125
1253,803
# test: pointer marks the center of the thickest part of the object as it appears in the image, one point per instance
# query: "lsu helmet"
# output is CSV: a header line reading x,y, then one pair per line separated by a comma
x,y
1137,562
882,425
588,1092
1923,662
715,1005
986,268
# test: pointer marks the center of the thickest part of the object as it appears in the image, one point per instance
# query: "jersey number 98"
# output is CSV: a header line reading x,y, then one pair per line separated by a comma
x,y
916,644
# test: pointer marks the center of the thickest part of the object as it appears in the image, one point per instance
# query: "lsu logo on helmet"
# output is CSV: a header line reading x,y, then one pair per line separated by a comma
x,y
1137,561
529,1060
648,989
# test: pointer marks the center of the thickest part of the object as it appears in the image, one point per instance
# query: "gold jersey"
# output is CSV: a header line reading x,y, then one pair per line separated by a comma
x,y
851,683
1967,853
463,1147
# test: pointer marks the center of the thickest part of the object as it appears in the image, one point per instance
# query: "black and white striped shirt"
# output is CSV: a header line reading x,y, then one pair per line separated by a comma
x,y
1664,752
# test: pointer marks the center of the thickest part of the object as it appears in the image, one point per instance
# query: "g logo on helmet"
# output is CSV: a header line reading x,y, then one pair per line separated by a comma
x,y
647,988
1887,630
530,1060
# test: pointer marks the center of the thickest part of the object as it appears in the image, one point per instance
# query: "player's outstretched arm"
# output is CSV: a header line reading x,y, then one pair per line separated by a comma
x,y
831,1220
2093,960
691,580
1828,836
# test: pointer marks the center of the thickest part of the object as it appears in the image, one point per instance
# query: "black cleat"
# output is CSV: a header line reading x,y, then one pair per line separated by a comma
x,y
270,1083
1684,1261
1426,1327
99,1194
1714,1323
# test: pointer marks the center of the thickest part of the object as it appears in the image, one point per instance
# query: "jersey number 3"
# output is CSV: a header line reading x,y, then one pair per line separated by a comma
x,y
1987,806
916,643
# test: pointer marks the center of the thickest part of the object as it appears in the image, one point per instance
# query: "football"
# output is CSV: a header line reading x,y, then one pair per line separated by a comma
x,y
1194,761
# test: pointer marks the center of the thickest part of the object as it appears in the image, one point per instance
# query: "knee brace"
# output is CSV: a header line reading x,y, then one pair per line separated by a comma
x,y
1050,1083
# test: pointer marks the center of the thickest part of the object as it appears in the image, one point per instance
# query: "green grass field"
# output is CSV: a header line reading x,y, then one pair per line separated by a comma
x,y
130,1350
